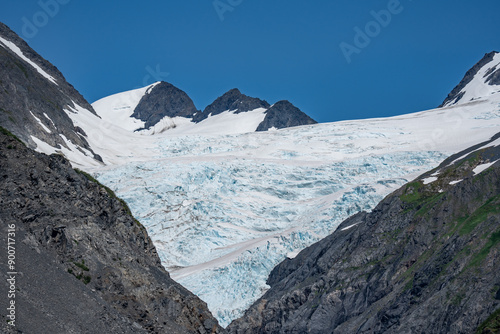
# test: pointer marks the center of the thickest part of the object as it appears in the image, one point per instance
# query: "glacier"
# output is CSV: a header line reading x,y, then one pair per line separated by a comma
x,y
223,210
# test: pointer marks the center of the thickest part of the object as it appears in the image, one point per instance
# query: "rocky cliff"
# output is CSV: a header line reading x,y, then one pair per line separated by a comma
x,y
425,260
83,263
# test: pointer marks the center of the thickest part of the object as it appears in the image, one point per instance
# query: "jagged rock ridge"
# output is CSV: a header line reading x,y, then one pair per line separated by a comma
x,y
282,114
84,264
425,260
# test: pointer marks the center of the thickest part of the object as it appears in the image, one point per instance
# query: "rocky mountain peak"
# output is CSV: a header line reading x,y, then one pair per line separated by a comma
x,y
234,91
478,82
232,100
283,114
163,100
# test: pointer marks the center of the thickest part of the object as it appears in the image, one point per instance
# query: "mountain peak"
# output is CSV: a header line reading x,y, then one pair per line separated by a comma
x,y
480,81
283,114
283,104
234,91
162,100
232,100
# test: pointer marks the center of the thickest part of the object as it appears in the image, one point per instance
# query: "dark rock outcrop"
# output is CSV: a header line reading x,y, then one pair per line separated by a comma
x,y
26,94
163,100
233,100
84,264
493,78
283,114
425,260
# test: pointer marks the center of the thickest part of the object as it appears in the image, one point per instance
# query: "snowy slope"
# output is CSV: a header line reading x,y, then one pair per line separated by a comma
x,y
168,109
481,81
227,122
112,135
224,209
118,108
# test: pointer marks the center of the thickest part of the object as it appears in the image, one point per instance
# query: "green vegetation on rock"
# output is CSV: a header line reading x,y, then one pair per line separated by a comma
x,y
8,133
492,206
491,325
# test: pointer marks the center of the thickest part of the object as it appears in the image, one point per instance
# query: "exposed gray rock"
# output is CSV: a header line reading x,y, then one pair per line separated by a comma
x,y
233,100
493,76
492,79
84,264
283,114
24,92
425,260
163,100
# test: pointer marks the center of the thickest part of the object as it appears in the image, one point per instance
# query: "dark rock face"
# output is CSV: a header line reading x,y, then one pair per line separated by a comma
x,y
24,92
163,100
232,100
84,264
425,260
493,79
283,114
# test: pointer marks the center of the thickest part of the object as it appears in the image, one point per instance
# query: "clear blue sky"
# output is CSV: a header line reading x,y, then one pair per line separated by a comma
x,y
274,50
